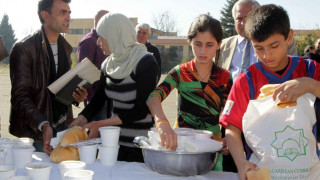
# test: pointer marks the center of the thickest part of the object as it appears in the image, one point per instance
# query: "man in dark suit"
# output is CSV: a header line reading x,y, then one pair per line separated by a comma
x,y
143,32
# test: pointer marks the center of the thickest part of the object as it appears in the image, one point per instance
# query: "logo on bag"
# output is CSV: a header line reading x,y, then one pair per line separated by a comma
x,y
290,143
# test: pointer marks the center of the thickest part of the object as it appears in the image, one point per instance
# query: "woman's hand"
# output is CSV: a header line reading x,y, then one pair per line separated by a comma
x,y
167,135
244,167
79,121
94,128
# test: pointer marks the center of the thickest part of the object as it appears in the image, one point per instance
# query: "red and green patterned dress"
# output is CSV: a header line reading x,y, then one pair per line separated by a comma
x,y
199,103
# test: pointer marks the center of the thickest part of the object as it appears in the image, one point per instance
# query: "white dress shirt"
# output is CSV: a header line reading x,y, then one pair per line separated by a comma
x,y
237,56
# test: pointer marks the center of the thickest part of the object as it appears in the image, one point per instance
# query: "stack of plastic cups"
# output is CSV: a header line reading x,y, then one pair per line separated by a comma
x,y
5,143
108,151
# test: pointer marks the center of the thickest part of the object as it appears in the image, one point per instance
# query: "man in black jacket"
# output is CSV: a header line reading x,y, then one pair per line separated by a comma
x,y
36,62
143,32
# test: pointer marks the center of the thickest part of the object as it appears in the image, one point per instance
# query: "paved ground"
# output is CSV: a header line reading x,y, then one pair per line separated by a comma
x,y
5,88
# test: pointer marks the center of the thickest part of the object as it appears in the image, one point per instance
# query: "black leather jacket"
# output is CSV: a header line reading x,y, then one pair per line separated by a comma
x,y
30,77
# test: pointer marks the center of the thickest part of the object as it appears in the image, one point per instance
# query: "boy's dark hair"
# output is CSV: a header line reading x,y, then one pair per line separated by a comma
x,y
46,5
265,21
204,23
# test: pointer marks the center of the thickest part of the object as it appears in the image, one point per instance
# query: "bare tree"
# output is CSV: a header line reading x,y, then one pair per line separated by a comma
x,y
164,22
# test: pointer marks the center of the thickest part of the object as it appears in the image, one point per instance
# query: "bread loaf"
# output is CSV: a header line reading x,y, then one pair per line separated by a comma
x,y
268,90
72,135
262,174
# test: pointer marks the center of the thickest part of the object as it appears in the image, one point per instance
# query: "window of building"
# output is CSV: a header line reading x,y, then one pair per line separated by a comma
x,y
179,51
75,31
87,31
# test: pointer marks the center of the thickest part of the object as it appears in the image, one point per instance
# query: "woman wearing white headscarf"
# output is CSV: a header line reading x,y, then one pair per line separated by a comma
x,y
128,76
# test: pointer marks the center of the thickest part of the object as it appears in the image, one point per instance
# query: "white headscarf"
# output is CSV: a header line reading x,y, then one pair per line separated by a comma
x,y
120,34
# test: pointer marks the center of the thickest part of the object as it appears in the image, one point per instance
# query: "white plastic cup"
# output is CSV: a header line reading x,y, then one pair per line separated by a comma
x,y
5,143
182,129
24,141
19,178
108,155
4,140
182,137
2,155
202,134
38,170
79,175
88,153
110,136
66,166
22,155
7,171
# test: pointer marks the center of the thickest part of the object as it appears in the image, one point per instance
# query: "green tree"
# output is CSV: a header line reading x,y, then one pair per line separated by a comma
x,y
227,21
7,34
303,40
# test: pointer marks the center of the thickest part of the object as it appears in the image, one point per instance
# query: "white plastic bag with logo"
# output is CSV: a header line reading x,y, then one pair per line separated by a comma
x,y
282,139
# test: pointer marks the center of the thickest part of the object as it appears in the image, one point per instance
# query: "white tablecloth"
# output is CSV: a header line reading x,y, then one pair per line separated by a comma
x,y
128,170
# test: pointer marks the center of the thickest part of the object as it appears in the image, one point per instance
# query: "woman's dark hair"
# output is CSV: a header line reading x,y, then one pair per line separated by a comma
x,y
204,23
46,5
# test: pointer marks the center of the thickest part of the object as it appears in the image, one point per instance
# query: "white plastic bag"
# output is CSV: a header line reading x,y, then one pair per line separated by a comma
x,y
282,139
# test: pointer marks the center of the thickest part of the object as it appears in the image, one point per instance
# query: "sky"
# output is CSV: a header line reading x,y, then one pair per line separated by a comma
x,y
24,18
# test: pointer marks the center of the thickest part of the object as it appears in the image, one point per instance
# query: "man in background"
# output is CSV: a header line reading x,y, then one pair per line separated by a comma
x,y
236,52
317,46
143,32
88,48
3,55
35,63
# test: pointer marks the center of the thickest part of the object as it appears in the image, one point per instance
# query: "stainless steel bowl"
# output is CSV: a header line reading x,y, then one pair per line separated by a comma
x,y
179,163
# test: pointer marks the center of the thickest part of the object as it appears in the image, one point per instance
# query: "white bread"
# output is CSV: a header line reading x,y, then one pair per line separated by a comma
x,y
262,174
64,153
268,90
72,135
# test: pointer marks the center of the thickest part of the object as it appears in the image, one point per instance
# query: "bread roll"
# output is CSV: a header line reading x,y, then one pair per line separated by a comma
x,y
64,153
262,174
72,135
268,90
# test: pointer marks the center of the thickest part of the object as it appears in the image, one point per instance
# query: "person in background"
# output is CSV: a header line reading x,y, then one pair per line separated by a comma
x,y
3,55
128,76
143,32
236,52
268,28
36,62
88,48
3,51
310,53
317,46
202,86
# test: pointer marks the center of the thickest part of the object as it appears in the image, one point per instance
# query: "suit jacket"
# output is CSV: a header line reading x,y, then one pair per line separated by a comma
x,y
228,47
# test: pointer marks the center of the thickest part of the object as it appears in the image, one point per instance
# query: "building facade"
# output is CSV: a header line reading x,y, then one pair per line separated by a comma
x,y
80,27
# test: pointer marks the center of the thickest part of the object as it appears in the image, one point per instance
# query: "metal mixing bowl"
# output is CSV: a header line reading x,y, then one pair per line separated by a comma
x,y
179,163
